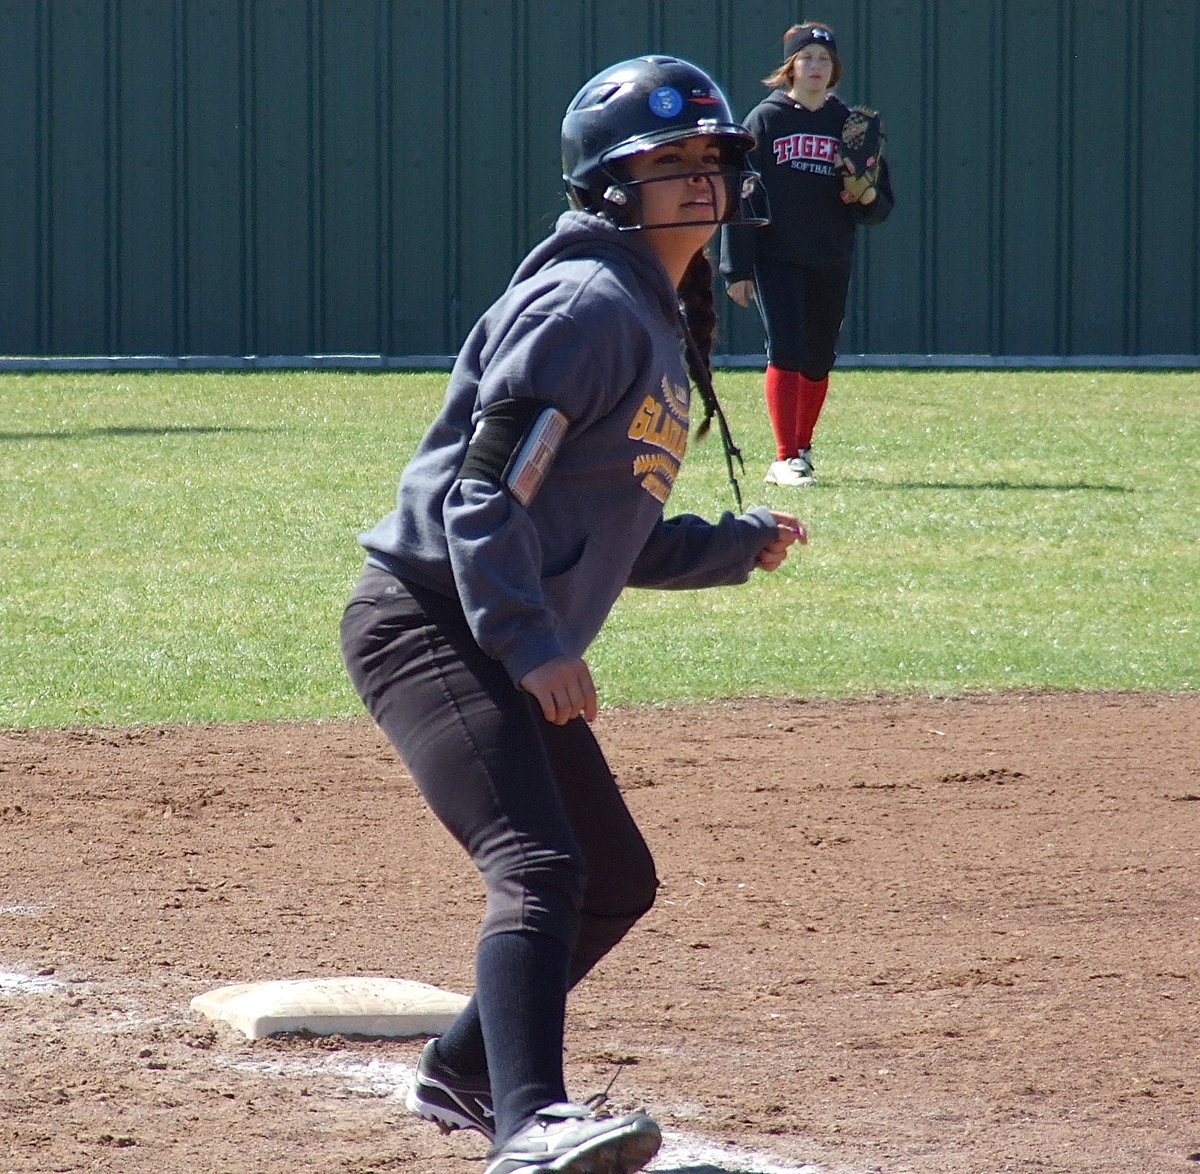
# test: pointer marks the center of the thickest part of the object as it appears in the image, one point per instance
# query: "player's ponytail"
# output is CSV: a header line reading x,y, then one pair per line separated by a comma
x,y
699,311
699,328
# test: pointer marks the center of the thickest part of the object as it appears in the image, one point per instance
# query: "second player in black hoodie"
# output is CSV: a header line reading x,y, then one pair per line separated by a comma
x,y
797,268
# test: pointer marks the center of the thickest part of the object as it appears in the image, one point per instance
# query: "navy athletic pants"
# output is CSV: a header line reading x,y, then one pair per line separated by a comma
x,y
534,804
802,308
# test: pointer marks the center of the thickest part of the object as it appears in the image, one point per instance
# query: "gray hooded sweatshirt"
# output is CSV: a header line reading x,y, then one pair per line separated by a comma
x,y
590,324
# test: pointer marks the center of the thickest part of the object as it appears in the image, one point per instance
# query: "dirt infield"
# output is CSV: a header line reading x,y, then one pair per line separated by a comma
x,y
939,937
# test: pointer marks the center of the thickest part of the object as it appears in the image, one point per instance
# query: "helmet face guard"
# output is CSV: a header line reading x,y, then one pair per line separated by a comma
x,y
736,190
642,104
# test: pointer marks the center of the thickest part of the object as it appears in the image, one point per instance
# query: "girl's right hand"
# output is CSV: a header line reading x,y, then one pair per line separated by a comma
x,y
742,292
563,687
790,529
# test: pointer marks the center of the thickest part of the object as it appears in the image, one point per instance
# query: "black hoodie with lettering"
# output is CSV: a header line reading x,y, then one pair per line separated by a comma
x,y
809,223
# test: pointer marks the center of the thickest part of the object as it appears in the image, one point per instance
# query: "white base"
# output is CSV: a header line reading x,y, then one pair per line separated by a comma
x,y
333,1006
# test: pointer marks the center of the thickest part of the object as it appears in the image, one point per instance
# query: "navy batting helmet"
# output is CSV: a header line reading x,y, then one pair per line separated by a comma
x,y
641,104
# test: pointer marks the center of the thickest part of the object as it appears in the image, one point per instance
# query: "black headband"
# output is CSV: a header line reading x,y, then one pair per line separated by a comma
x,y
794,42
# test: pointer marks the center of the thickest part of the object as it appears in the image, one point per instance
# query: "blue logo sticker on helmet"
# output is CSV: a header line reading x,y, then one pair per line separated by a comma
x,y
666,102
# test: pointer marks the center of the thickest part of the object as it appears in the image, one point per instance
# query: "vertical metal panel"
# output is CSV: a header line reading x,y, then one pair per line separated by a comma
x,y
300,176
485,147
1033,178
962,181
1099,54
420,179
1167,251
555,64
21,182
623,29
147,232
215,153
80,234
892,65
287,156
351,102
693,30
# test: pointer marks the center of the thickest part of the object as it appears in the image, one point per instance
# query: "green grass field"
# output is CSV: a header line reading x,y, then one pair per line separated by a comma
x,y
178,546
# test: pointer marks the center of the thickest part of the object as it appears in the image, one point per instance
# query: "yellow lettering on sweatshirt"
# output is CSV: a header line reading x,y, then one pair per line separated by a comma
x,y
654,425
657,487
656,462
645,417
662,424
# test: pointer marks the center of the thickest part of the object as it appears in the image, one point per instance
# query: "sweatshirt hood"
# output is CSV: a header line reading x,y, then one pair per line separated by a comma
x,y
582,234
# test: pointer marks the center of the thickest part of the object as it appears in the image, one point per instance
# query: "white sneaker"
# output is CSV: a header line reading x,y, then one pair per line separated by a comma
x,y
797,470
567,1139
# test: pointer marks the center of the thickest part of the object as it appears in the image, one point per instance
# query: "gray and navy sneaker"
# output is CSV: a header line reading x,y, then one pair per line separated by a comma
x,y
451,1101
797,470
568,1139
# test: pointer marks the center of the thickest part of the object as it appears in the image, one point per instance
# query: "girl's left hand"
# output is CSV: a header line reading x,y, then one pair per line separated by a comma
x,y
866,199
564,689
791,529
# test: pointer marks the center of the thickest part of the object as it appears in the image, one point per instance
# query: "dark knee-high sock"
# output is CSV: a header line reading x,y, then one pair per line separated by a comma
x,y
460,1046
811,397
782,391
521,992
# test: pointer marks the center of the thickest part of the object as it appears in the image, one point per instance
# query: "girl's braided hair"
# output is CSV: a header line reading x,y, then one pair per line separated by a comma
x,y
699,329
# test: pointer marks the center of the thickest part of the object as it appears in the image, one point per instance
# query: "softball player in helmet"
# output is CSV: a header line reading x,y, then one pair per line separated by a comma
x,y
534,499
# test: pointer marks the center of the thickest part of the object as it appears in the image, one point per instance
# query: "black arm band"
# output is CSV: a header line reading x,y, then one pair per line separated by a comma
x,y
514,445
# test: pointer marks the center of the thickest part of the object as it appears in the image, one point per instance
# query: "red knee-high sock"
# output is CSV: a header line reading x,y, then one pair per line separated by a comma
x,y
811,397
783,407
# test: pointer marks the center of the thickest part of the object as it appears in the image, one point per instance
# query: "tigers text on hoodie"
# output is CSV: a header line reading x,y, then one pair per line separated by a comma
x,y
810,225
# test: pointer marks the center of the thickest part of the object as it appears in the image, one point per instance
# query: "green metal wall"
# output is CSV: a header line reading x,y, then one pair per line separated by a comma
x,y
306,177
